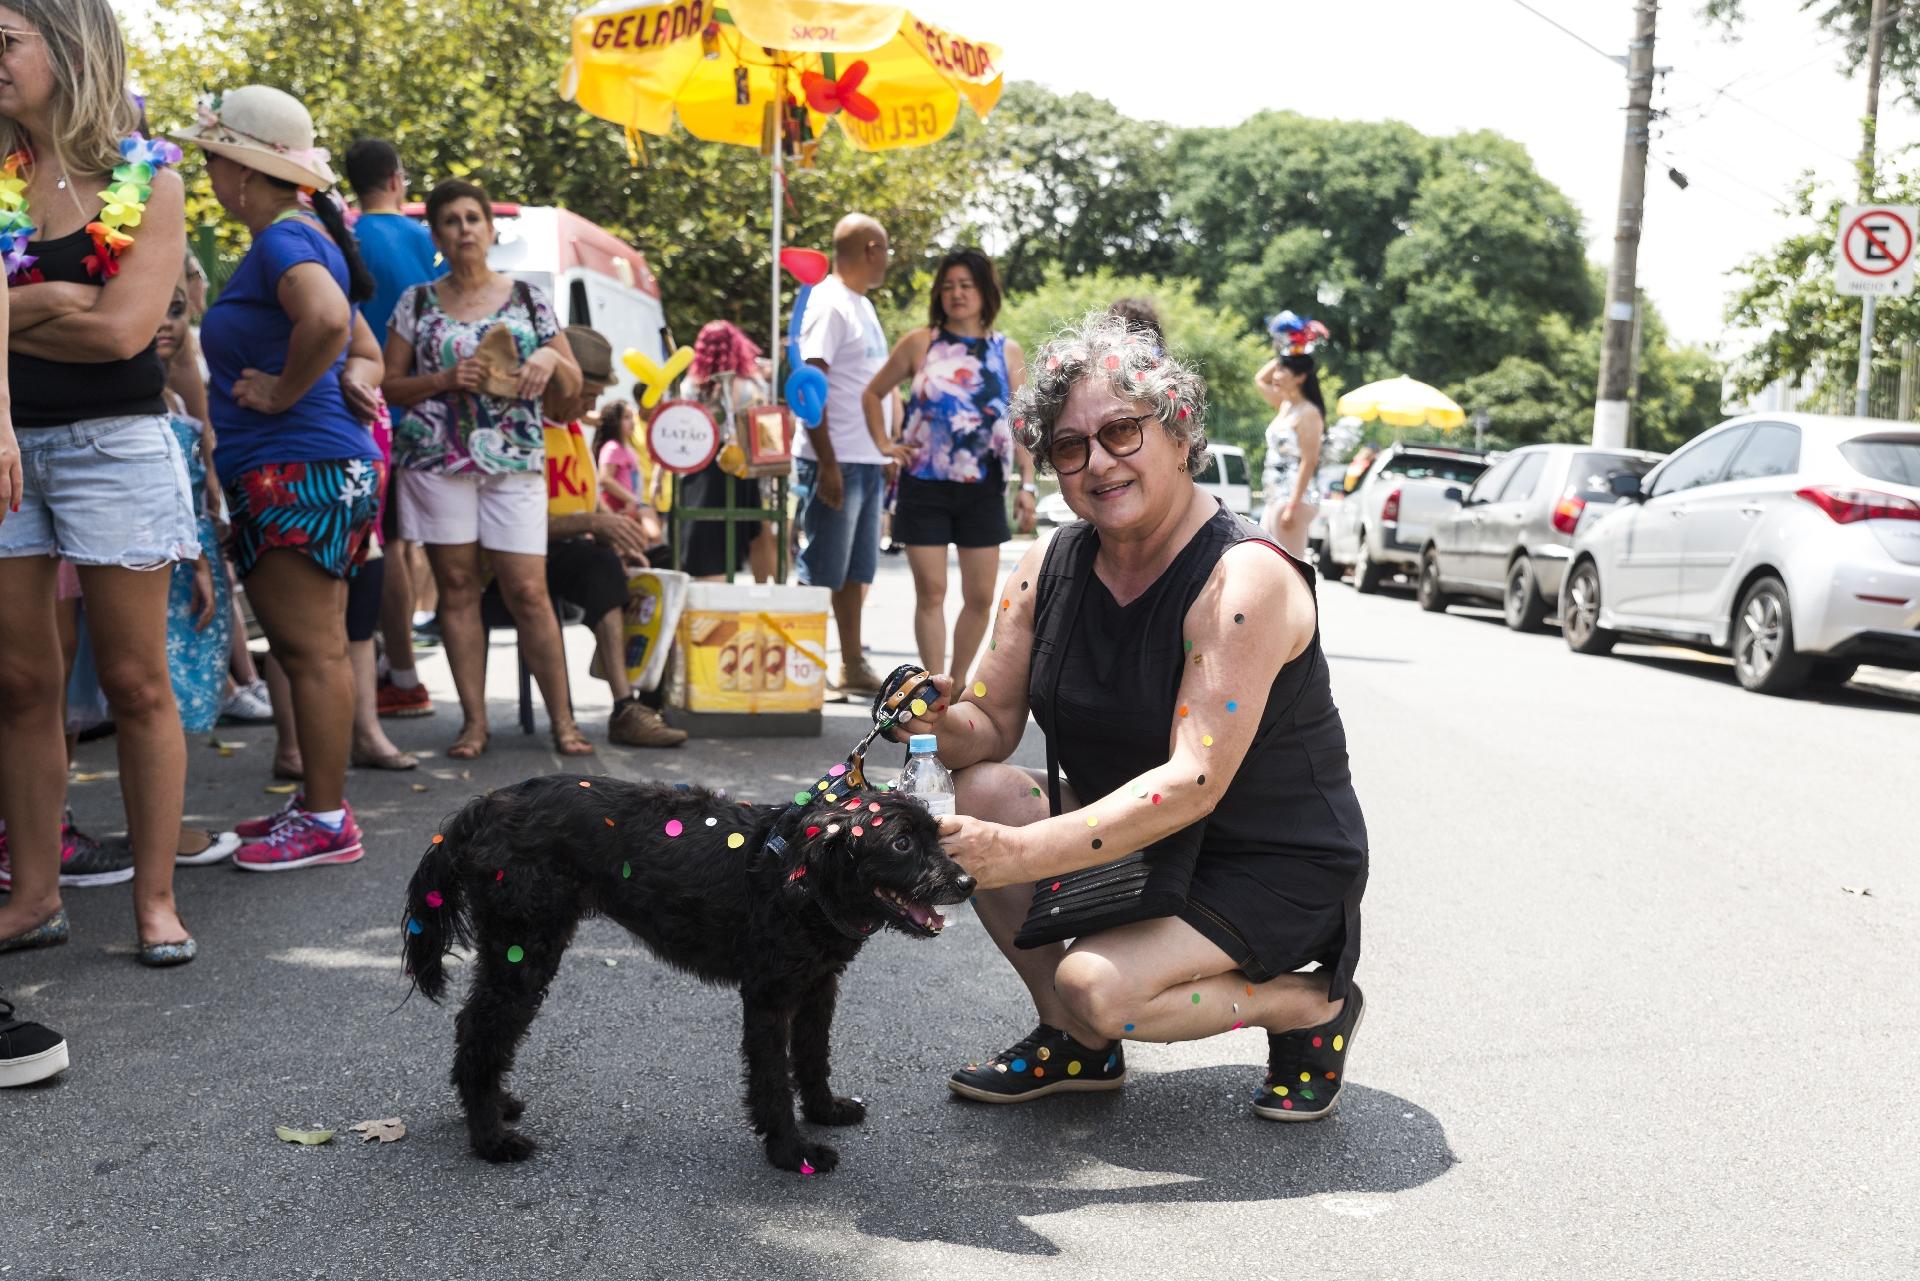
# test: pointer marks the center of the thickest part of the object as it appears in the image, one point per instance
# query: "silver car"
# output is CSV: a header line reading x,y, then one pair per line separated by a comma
x,y
1791,541
1512,536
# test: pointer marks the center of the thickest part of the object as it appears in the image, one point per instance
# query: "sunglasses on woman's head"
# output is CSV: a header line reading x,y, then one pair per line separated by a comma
x,y
1120,438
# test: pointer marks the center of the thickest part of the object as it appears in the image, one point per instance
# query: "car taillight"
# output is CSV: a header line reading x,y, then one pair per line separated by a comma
x,y
1566,513
1846,506
1390,510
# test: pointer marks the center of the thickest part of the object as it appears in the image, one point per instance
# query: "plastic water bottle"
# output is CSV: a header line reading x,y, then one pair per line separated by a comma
x,y
925,779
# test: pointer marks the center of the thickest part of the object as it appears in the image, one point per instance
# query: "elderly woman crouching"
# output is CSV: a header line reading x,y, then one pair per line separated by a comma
x,y
1171,655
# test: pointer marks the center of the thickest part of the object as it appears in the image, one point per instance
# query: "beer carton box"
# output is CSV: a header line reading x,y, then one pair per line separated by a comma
x,y
746,647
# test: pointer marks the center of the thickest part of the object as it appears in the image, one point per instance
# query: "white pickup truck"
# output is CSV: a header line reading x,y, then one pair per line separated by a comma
x,y
1381,527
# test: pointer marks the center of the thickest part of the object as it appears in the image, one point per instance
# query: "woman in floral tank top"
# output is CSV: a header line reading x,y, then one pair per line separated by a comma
x,y
959,454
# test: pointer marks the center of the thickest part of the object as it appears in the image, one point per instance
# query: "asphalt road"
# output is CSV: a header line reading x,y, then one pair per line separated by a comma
x,y
1640,957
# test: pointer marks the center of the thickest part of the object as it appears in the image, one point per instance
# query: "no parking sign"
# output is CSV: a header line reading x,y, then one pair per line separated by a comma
x,y
1875,251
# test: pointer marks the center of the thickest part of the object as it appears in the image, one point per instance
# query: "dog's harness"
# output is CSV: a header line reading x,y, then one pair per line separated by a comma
x,y
907,693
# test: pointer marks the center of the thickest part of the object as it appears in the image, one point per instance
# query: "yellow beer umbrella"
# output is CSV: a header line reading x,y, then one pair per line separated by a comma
x,y
889,78
772,73
1402,402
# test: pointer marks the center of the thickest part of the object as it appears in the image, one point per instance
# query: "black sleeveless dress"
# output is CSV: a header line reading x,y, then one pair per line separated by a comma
x,y
1283,856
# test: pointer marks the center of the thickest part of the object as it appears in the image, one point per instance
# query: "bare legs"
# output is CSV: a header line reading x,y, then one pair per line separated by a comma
x,y
303,610
523,586
34,780
610,635
396,606
369,740
1138,980
979,569
127,623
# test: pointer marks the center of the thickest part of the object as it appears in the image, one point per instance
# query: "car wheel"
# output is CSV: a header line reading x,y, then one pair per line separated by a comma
x,y
1367,576
1432,599
1580,619
1523,607
1832,674
1764,659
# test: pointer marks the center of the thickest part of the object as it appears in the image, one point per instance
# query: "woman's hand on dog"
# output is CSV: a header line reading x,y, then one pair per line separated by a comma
x,y
992,853
929,723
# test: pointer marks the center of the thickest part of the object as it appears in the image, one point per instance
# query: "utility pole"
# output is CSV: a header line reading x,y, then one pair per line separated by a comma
x,y
1611,409
1876,48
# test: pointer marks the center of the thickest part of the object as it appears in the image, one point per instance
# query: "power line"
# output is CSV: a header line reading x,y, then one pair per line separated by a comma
x,y
1700,108
1775,121
1616,59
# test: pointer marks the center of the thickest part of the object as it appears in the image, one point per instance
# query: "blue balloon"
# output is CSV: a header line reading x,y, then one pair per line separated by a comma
x,y
806,386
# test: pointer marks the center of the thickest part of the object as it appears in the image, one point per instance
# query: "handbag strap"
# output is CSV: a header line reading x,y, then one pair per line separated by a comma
x,y
1074,582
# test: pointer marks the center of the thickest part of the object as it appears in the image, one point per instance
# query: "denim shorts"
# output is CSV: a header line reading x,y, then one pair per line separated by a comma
x,y
840,546
103,491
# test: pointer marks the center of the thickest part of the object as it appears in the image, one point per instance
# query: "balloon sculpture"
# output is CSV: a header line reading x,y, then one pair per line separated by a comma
x,y
806,386
656,379
1297,335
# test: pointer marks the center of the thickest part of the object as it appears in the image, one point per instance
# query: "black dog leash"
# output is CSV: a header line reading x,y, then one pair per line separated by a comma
x,y
906,686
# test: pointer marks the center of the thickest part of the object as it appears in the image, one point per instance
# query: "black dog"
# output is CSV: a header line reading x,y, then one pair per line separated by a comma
x,y
774,900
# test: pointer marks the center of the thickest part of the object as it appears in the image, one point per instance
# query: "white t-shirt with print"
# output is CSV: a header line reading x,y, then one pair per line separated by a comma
x,y
841,328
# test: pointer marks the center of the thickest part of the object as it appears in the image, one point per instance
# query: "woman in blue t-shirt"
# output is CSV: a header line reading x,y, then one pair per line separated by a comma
x,y
292,370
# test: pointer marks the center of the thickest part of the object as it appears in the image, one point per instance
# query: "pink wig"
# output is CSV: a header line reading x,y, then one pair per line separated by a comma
x,y
722,349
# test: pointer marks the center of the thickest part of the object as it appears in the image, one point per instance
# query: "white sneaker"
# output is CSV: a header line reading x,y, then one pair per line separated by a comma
x,y
248,703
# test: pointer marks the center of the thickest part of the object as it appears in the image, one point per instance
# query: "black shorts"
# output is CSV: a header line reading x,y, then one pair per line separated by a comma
x,y
363,599
939,513
586,574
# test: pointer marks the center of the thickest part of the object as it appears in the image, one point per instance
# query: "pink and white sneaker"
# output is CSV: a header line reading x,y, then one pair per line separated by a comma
x,y
301,840
255,828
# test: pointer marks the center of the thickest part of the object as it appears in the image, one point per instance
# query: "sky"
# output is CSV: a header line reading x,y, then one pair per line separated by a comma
x,y
1747,117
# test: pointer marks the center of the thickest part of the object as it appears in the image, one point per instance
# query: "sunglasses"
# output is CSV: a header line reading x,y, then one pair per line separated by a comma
x,y
1120,438
10,37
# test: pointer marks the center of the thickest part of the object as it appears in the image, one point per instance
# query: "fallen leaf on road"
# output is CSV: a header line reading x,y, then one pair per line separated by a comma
x,y
224,745
283,789
306,1138
390,1130
84,777
466,773
419,787
609,962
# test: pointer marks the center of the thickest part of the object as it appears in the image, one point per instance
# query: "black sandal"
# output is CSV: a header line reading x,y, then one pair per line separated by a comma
x,y
1306,1068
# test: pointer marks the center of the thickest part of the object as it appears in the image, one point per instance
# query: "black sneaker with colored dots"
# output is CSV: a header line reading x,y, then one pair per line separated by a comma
x,y
1045,1061
1305,1069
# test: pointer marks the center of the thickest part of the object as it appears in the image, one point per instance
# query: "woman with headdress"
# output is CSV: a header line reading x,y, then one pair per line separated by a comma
x,y
725,377
1290,382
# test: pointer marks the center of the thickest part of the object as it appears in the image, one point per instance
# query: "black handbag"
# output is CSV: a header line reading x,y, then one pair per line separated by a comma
x,y
1140,886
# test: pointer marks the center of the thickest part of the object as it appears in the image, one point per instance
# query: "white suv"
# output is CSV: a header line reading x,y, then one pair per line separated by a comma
x,y
1791,541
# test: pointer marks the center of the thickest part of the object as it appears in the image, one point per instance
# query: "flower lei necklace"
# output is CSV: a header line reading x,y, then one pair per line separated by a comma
x,y
121,205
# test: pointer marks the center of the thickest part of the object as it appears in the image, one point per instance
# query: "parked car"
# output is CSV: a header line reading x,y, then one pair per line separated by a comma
x,y
1224,474
1791,541
1512,536
1331,481
1382,526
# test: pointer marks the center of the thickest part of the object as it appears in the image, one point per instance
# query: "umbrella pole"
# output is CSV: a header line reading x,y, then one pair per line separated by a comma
x,y
776,183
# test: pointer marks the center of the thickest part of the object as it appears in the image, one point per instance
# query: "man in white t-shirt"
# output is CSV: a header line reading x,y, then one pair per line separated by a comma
x,y
840,466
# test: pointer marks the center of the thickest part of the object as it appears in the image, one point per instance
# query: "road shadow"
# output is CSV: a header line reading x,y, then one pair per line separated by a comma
x,y
1175,1133
1718,669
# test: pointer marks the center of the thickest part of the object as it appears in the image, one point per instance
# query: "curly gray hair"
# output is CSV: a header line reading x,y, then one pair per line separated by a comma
x,y
1102,345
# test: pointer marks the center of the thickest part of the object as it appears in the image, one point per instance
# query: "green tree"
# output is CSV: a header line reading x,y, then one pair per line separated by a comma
x,y
1802,331
1216,341
1069,182
1491,252
1283,211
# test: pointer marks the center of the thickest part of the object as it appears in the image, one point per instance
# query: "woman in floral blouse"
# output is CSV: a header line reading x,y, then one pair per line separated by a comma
x,y
471,461
961,454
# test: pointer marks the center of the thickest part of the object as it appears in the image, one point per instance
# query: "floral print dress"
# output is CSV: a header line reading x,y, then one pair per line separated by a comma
x,y
957,423
197,658
465,432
